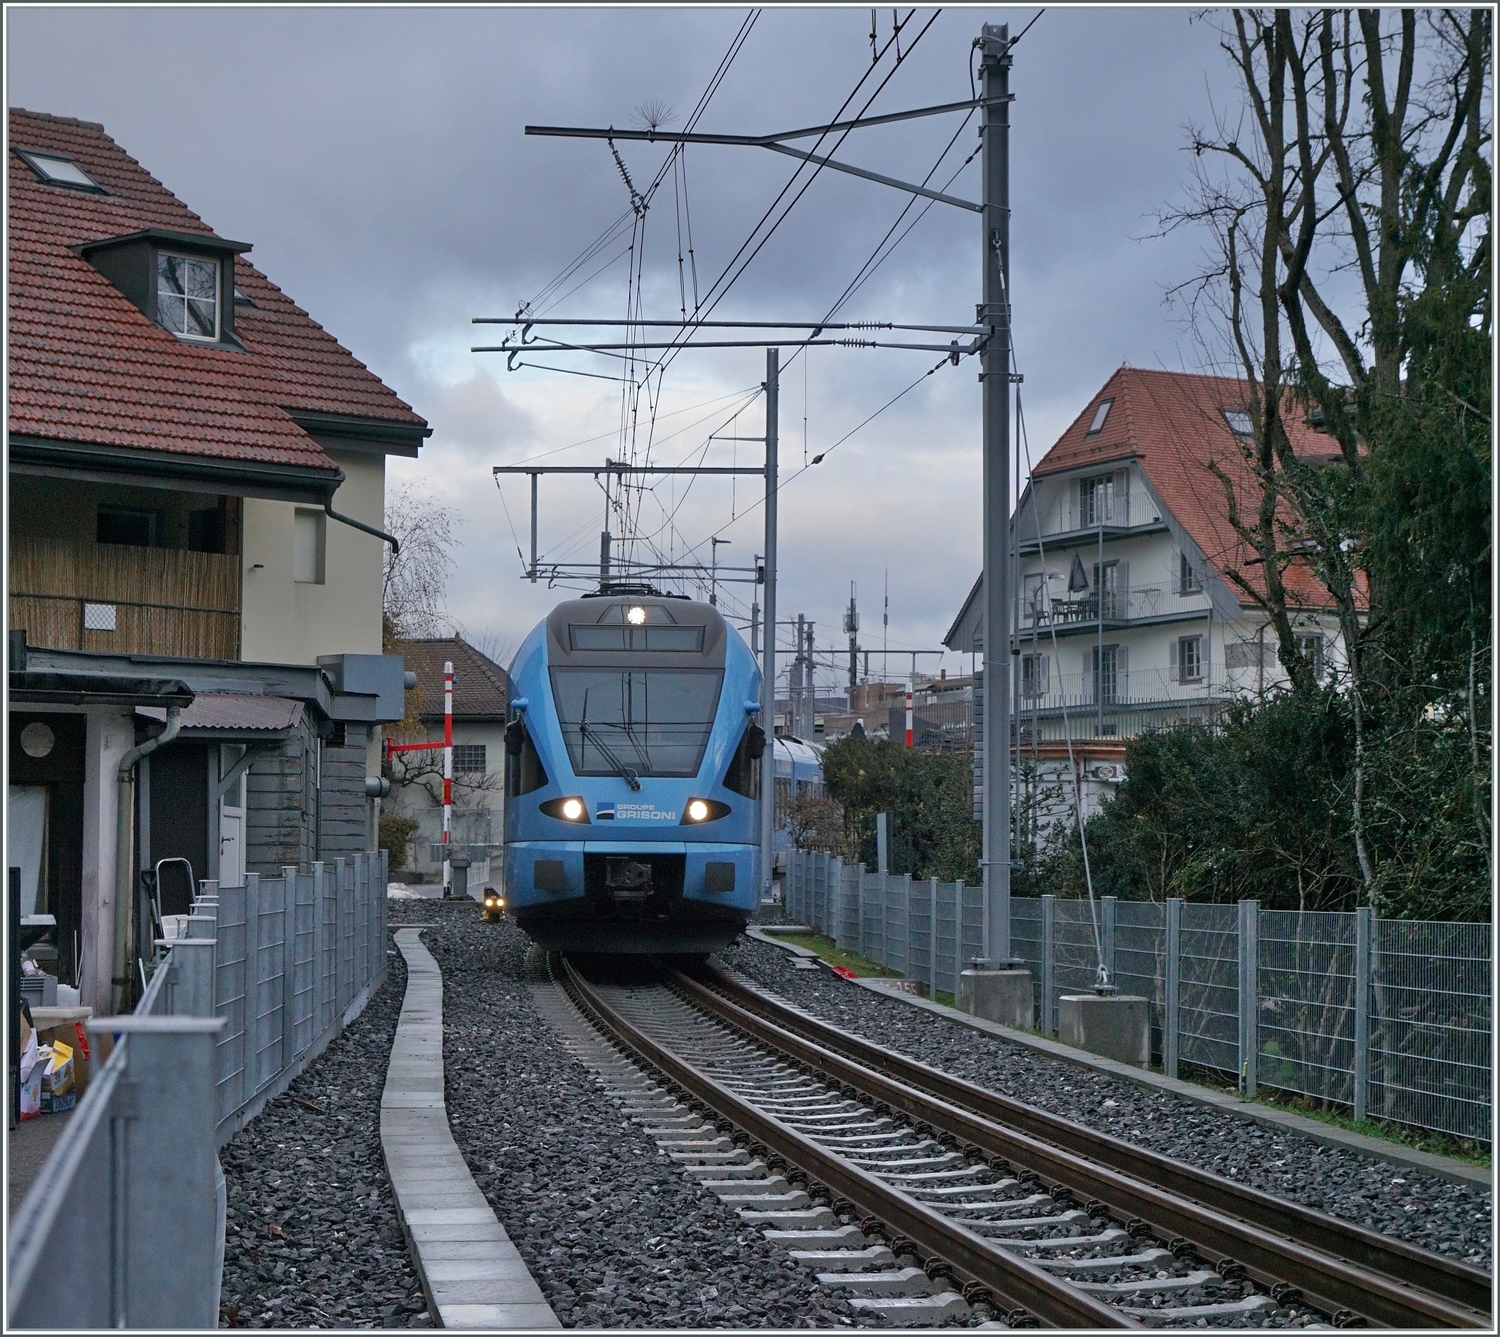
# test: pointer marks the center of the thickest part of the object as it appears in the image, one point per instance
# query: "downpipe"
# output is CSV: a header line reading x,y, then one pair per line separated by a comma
x,y
124,852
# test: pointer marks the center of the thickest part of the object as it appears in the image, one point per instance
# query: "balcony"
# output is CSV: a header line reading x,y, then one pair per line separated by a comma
x,y
1121,606
72,595
1067,518
1115,703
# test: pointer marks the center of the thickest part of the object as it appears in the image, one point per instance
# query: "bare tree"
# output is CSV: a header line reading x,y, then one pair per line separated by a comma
x,y
1357,154
416,578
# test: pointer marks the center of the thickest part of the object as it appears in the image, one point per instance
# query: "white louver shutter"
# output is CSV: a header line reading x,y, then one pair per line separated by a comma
x,y
1174,670
1122,498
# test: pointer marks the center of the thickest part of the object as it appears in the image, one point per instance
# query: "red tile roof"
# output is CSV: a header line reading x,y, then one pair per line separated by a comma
x,y
1173,425
87,366
481,687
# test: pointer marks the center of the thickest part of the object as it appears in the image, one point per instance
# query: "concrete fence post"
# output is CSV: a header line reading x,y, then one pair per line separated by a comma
x,y
1364,936
192,960
1171,987
1108,906
1249,962
1049,962
161,1192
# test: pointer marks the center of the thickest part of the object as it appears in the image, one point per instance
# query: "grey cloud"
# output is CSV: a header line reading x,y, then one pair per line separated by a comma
x,y
376,160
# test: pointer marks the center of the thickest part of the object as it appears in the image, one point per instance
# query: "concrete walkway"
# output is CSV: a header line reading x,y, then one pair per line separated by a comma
x,y
471,1272
1268,1116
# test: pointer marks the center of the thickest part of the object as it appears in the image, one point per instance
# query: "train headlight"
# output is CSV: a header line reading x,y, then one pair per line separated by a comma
x,y
699,810
571,809
636,616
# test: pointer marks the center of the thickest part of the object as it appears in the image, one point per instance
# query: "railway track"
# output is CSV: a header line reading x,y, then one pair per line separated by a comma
x,y
965,1197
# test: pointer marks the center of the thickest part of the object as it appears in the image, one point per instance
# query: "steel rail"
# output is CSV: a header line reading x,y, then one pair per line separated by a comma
x,y
1460,1282
1012,1280
1339,1287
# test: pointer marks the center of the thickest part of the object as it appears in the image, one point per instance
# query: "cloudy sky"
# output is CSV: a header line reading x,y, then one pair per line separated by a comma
x,y
376,159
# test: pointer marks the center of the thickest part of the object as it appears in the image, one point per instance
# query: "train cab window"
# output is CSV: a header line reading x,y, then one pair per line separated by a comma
x,y
648,721
743,775
524,771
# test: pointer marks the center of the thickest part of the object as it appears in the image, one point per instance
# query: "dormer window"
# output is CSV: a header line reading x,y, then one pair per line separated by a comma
x,y
178,280
57,170
1100,414
187,295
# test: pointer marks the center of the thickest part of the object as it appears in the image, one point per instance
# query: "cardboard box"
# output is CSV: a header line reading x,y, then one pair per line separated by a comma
x,y
84,1047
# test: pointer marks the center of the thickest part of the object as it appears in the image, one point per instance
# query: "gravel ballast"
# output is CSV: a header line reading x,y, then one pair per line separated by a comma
x,y
312,1237
614,1233
1406,1204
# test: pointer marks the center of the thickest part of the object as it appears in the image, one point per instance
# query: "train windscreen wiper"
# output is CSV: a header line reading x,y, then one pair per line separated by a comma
x,y
590,734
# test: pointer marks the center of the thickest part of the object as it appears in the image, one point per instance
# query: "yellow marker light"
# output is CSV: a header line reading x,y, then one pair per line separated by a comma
x,y
636,616
572,809
697,810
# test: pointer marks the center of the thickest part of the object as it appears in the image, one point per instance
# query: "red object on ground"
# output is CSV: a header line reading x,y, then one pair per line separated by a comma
x,y
845,972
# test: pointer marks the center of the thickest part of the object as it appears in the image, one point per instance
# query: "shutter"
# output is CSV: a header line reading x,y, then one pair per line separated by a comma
x,y
1041,675
1122,497
1122,589
1173,667
1122,673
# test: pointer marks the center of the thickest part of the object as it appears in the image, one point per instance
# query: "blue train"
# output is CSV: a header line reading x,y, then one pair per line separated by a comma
x,y
632,815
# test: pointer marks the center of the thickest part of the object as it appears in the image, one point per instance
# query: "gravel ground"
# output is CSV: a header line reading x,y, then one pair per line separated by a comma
x,y
1450,1218
312,1237
613,1232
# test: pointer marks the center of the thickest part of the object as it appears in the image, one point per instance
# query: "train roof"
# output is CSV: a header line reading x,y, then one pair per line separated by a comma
x,y
655,630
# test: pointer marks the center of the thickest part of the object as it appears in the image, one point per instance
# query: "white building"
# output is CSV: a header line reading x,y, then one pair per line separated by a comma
x,y
1127,614
481,694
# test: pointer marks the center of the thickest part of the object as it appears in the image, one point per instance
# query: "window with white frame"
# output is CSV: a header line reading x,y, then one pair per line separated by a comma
x,y
1033,676
1310,647
468,759
1095,500
187,295
1187,659
1187,578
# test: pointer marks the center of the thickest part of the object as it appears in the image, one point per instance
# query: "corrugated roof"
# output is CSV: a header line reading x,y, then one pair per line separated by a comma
x,y
245,711
481,688
87,366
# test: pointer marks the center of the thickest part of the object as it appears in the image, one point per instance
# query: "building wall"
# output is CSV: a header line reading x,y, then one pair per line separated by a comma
x,y
281,806
474,812
343,809
288,622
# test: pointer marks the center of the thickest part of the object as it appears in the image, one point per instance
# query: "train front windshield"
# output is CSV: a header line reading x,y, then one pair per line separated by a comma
x,y
649,721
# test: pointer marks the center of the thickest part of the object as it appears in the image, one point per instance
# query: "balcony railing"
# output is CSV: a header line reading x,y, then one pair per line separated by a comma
x,y
1139,603
1146,689
1068,515
107,596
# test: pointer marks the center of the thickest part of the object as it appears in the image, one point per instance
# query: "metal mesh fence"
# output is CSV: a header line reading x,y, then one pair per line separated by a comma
x,y
1208,1007
1430,1026
1429,1023
293,954
1140,939
1305,1004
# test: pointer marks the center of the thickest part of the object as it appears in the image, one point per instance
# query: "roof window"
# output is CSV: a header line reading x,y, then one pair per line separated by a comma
x,y
1239,422
1100,414
57,170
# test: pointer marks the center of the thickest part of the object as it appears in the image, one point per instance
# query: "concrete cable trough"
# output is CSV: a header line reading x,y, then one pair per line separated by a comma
x,y
470,1270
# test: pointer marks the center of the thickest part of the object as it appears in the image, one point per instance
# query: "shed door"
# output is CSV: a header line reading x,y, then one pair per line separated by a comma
x,y
232,823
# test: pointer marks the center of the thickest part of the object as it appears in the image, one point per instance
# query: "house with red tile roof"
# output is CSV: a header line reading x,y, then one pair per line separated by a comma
x,y
1129,613
481,696
196,484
